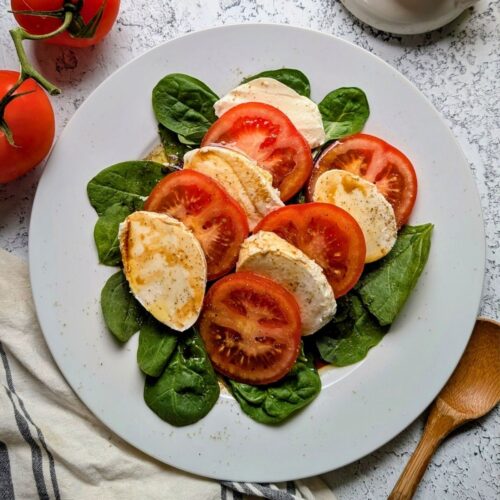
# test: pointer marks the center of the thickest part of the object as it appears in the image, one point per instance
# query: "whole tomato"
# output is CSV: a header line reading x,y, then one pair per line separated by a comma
x,y
76,35
31,120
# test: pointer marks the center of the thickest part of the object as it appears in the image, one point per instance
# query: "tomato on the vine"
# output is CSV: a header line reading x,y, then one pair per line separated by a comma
x,y
91,24
32,136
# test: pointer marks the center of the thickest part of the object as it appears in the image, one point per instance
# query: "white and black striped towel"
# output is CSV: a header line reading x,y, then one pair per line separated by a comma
x,y
52,447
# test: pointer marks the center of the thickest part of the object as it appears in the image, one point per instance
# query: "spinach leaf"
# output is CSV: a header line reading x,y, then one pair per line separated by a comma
x,y
298,199
156,344
123,315
293,78
364,315
274,403
385,288
344,111
172,146
187,142
347,339
106,233
184,105
188,388
129,183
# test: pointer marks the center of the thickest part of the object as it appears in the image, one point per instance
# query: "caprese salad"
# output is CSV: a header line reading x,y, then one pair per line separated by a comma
x,y
264,237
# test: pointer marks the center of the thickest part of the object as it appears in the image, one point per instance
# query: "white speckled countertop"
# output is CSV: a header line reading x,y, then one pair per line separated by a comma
x,y
457,68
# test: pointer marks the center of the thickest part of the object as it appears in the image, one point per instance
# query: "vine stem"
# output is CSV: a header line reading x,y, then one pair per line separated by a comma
x,y
27,70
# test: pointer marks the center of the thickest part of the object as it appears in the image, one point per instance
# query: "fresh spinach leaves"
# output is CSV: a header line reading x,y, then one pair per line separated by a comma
x,y
344,111
122,313
298,199
129,183
184,105
385,288
348,338
292,78
172,146
365,314
188,388
187,142
106,233
156,344
274,403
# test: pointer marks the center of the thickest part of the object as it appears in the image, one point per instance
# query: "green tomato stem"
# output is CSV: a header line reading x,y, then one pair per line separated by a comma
x,y
27,70
59,13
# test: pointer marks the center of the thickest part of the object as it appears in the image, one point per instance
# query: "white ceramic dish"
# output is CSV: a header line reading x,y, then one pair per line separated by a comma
x,y
407,17
360,407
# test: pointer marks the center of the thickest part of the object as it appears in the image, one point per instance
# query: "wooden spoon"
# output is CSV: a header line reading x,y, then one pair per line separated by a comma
x,y
471,392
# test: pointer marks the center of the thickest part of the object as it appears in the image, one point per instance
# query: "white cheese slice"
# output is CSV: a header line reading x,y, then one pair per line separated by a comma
x,y
250,185
267,254
366,204
165,267
301,111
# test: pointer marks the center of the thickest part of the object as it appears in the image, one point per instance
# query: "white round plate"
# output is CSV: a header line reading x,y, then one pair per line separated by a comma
x,y
408,17
360,407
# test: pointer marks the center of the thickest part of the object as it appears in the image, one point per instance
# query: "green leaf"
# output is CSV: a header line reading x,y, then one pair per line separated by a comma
x,y
157,342
123,315
129,183
174,149
106,233
298,199
348,338
385,288
293,78
186,142
184,105
274,403
188,388
344,111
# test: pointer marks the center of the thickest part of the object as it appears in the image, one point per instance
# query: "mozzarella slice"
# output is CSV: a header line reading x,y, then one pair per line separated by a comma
x,y
165,267
250,185
301,111
271,256
366,204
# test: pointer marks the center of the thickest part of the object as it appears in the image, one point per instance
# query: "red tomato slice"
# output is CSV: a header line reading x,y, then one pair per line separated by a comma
x,y
216,219
326,234
266,135
378,162
251,328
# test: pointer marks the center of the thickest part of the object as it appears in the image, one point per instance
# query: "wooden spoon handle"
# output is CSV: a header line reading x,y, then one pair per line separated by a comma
x,y
414,470
438,427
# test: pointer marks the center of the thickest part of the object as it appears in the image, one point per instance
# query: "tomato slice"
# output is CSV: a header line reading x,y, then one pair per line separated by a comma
x,y
251,328
378,162
326,234
266,135
216,219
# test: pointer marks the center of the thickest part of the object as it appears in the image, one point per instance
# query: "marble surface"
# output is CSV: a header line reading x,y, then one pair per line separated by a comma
x,y
457,68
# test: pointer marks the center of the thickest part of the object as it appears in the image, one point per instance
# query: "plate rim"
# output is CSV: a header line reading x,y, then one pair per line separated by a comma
x,y
289,27
402,28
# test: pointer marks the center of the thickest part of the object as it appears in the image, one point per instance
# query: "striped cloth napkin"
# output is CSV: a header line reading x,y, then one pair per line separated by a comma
x,y
52,447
